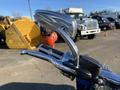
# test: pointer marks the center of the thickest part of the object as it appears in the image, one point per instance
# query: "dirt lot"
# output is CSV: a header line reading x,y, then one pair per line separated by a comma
x,y
28,73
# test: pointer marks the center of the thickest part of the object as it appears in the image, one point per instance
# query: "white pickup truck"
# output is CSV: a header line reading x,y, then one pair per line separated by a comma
x,y
86,26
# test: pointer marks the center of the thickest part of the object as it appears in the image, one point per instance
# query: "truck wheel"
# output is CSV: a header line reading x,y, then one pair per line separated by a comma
x,y
91,36
76,37
2,39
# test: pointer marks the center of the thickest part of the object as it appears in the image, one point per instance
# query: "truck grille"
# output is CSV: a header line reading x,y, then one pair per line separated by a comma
x,y
91,25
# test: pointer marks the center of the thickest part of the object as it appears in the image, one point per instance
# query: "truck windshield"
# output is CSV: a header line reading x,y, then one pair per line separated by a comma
x,y
118,16
76,15
110,19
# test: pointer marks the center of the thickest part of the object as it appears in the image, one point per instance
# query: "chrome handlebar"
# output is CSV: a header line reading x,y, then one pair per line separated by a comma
x,y
55,57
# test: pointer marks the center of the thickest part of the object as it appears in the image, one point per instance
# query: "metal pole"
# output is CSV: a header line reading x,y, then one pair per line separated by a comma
x,y
30,10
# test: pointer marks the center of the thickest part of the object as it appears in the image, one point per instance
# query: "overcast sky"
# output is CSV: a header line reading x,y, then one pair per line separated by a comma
x,y
7,7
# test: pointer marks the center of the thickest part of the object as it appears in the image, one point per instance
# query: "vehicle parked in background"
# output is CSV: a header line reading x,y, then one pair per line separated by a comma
x,y
118,21
14,35
114,20
112,16
104,23
85,26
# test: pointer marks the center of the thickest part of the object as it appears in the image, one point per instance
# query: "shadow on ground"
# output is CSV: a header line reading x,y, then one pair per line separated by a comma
x,y
35,86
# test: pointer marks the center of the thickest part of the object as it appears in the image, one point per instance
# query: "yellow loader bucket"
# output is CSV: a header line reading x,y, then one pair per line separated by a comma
x,y
23,34
2,27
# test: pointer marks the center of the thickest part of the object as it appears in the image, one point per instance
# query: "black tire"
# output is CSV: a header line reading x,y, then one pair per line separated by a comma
x,y
75,39
91,36
2,39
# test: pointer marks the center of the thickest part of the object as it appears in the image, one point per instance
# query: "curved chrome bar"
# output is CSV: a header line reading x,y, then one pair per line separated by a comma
x,y
58,22
71,45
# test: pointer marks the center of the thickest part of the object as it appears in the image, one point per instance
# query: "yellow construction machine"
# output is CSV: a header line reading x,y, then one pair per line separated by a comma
x,y
20,34
4,25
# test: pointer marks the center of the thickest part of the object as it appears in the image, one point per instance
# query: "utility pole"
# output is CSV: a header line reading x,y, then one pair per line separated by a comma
x,y
30,9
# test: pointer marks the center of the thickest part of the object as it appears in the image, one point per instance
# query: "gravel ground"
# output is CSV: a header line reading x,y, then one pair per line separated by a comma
x,y
28,73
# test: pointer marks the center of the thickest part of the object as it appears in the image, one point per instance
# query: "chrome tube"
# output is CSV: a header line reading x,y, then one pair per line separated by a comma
x,y
71,45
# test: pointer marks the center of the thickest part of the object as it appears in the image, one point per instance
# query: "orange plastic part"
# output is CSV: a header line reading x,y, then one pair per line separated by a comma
x,y
50,40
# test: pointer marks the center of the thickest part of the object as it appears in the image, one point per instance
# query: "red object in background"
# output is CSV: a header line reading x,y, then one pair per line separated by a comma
x,y
51,39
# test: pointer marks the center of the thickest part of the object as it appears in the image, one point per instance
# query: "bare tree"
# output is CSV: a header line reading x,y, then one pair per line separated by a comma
x,y
16,14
